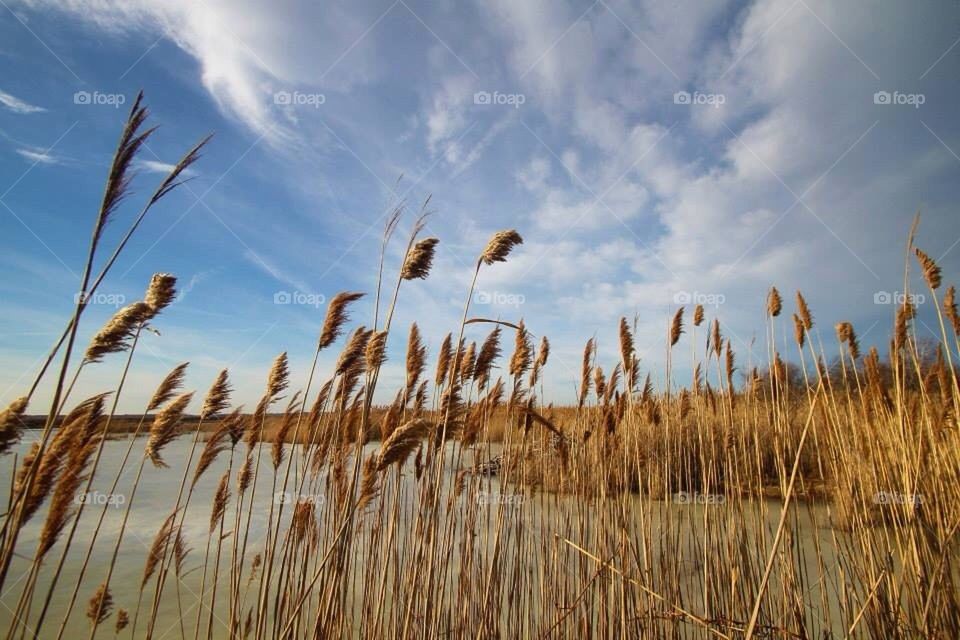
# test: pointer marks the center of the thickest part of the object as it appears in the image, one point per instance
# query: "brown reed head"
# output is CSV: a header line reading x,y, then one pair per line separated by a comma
x,y
220,499
931,272
443,360
337,316
799,331
376,352
116,335
846,334
165,428
585,370
774,302
488,354
279,376
950,309
804,312
168,387
100,605
676,327
160,293
402,442
698,315
522,356
419,259
11,424
416,358
499,246
218,397
123,619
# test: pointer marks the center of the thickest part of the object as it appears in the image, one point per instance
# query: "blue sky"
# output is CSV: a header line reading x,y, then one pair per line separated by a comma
x,y
648,152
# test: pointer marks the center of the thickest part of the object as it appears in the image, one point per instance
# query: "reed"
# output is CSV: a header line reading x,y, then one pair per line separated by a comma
x,y
802,495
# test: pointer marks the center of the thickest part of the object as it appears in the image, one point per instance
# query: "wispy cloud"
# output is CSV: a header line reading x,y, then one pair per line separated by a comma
x,y
17,105
40,156
155,166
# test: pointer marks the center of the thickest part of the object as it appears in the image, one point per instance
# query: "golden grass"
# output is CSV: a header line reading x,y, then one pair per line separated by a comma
x,y
789,498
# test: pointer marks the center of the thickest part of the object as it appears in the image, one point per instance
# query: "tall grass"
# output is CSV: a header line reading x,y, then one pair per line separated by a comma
x,y
785,498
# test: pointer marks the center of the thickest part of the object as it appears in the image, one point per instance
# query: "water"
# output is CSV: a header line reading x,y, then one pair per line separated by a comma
x,y
654,526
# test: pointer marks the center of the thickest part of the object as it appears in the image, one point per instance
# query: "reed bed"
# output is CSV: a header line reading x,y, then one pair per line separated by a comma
x,y
807,496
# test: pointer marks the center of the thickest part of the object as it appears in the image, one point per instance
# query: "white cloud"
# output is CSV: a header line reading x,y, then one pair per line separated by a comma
x,y
39,156
17,105
156,166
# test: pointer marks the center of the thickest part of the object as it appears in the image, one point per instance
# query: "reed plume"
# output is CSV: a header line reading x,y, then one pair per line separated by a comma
x,y
799,331
279,376
160,293
376,352
950,309
123,619
115,336
214,446
220,500
500,246
419,259
158,549
774,302
905,313
337,316
676,327
168,388
717,339
11,424
804,311
488,354
698,315
521,358
585,371
118,182
931,272
80,447
416,359
218,397
402,442
165,428
846,334
100,605
443,360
